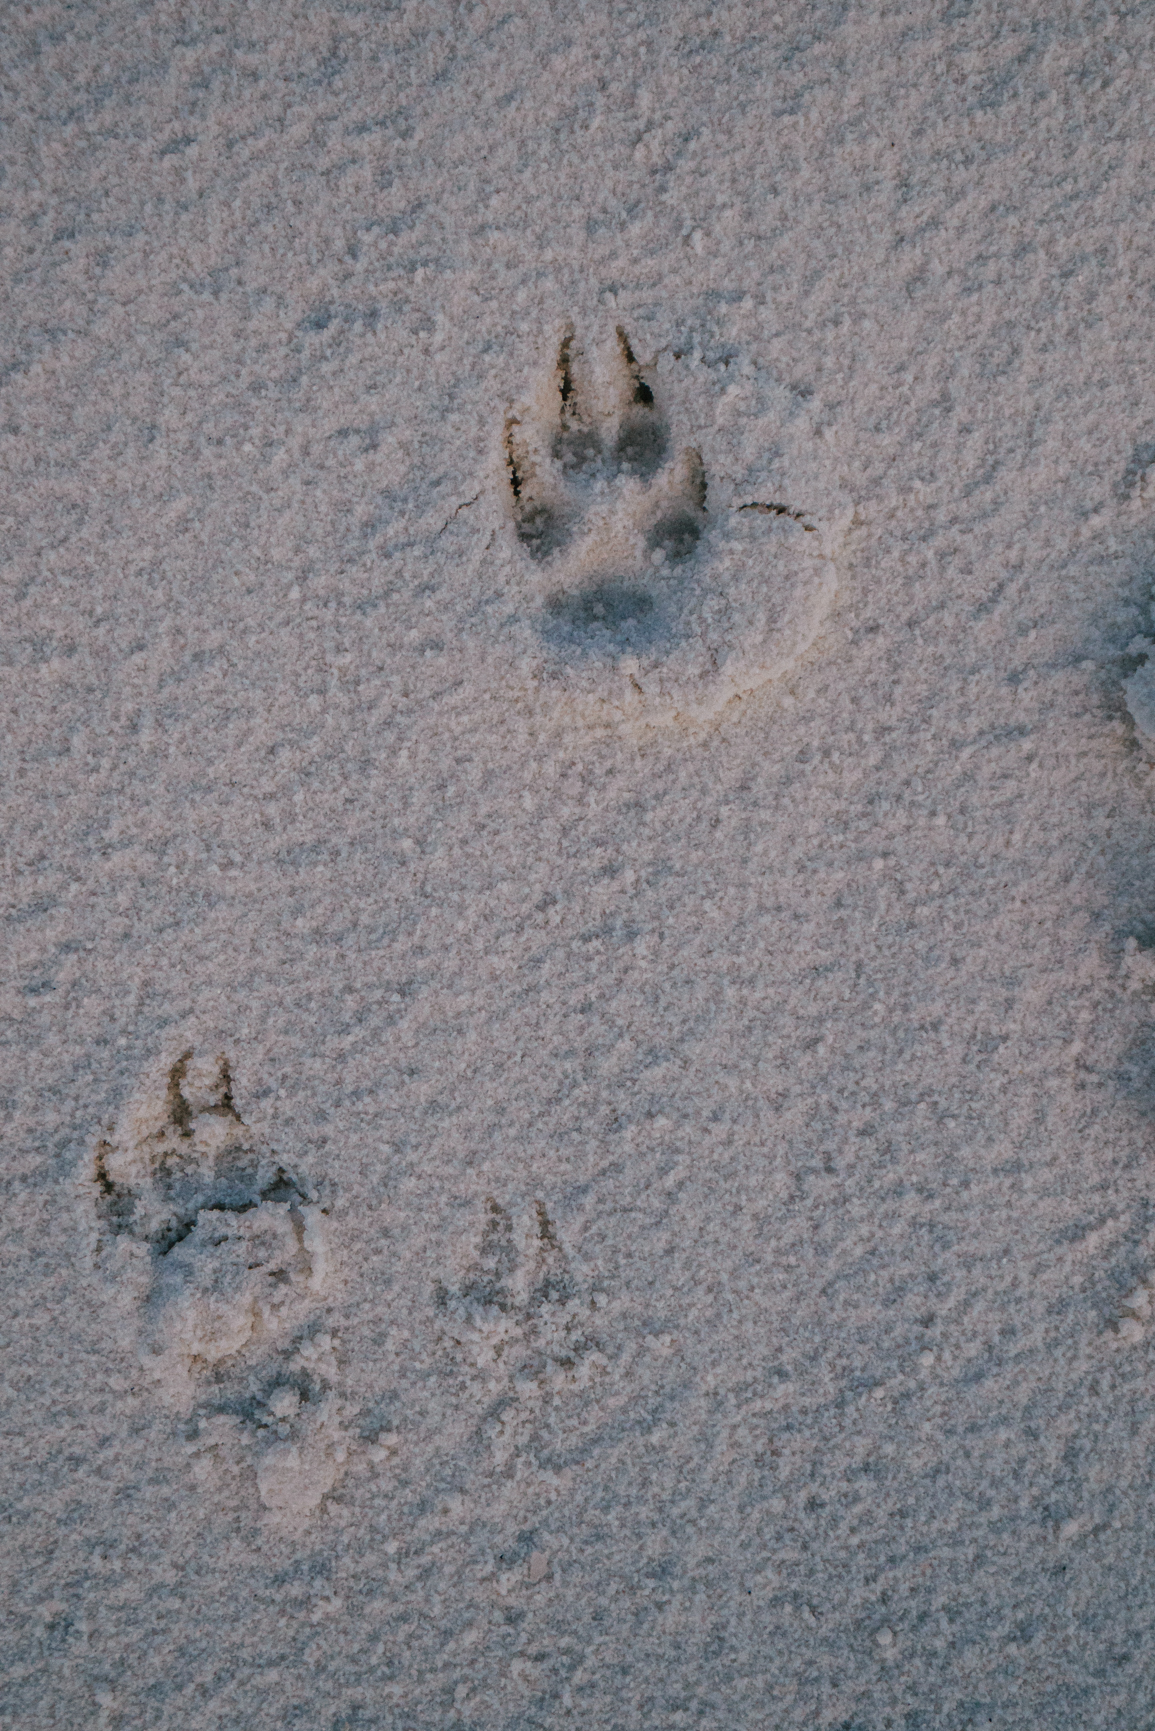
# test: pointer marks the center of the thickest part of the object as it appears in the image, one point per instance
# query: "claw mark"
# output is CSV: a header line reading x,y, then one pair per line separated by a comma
x,y
545,1227
511,462
464,506
642,391
576,446
642,436
537,527
179,1110
565,371
696,478
227,1106
773,510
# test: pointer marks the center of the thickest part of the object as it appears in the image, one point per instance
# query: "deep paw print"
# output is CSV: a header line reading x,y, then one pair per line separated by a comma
x,y
588,455
224,1253
519,1319
647,594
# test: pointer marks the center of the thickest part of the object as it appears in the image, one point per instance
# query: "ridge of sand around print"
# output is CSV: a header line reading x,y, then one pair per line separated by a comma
x,y
660,547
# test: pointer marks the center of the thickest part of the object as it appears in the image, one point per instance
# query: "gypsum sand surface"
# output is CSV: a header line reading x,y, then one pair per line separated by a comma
x,y
528,1205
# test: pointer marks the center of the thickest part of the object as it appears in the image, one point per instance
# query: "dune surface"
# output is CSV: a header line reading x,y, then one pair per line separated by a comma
x,y
579,911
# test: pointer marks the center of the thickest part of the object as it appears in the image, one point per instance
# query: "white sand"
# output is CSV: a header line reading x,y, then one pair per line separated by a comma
x,y
671,1243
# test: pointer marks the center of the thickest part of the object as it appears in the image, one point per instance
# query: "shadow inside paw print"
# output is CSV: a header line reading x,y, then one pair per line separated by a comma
x,y
648,595
619,614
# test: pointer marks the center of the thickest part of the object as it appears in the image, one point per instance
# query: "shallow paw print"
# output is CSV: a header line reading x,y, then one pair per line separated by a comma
x,y
288,1430
518,1318
222,1254
1139,694
645,594
302,1447
1138,967
1135,1316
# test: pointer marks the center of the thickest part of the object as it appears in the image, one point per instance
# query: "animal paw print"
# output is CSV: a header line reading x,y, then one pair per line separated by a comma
x,y
1136,1314
648,596
667,501
285,1425
518,1317
225,1253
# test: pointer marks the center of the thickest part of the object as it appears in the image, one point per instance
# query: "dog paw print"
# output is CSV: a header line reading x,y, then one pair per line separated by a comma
x,y
648,590
224,1254
519,1319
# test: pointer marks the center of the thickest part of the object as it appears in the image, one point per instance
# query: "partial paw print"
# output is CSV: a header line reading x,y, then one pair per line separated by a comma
x,y
284,1423
1139,968
519,1319
223,1253
650,589
558,498
1139,693
1136,1314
